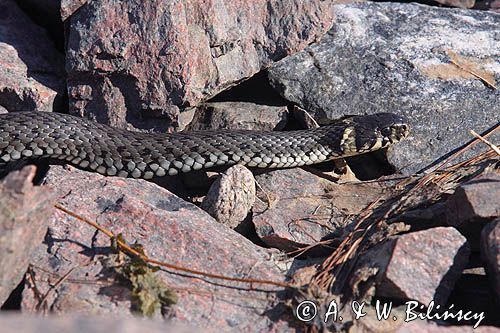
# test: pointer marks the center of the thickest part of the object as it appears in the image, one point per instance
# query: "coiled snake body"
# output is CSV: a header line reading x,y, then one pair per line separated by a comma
x,y
26,136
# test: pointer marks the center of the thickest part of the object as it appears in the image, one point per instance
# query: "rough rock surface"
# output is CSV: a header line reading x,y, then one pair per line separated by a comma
x,y
495,6
168,55
389,57
296,208
239,115
12,323
474,204
171,230
490,252
24,216
419,326
421,266
68,7
475,200
458,3
231,196
31,70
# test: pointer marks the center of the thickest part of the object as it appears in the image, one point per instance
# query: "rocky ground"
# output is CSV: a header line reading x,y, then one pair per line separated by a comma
x,y
416,227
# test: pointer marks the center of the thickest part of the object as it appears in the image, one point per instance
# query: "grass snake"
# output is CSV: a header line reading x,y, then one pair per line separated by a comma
x,y
30,136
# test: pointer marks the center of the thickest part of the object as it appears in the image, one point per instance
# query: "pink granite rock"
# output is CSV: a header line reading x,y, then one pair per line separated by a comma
x,y
422,265
171,230
25,210
31,69
130,61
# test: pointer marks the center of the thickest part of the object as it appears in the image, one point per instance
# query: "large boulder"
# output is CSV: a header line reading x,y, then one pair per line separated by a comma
x,y
388,57
134,60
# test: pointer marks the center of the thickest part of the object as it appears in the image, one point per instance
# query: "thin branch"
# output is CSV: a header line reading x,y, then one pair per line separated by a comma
x,y
492,146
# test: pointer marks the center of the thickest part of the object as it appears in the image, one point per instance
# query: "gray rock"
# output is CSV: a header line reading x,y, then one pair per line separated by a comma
x,y
239,115
25,210
171,230
135,60
231,196
389,57
31,70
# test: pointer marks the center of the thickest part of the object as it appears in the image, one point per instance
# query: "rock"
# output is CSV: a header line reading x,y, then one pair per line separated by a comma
x,y
171,230
68,7
304,118
474,204
458,3
420,326
495,6
473,293
490,252
424,218
474,200
157,57
296,208
231,196
421,266
24,215
239,115
390,57
15,323
31,70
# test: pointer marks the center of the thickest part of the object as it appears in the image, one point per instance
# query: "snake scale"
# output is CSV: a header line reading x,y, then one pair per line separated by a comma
x,y
30,136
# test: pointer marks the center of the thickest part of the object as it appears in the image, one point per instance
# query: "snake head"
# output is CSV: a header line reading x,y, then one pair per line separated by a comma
x,y
378,131
392,128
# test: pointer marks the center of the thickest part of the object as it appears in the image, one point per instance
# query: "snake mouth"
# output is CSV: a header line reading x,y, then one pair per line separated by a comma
x,y
394,134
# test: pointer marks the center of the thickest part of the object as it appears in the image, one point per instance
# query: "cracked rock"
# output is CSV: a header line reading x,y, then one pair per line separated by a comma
x,y
159,57
297,208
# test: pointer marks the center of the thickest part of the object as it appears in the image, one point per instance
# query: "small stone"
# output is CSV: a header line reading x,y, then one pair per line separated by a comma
x,y
231,196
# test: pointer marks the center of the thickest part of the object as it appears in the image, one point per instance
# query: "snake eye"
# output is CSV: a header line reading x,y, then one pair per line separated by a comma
x,y
386,132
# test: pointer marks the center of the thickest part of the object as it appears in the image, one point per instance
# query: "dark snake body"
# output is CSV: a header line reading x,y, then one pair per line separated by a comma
x,y
26,136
